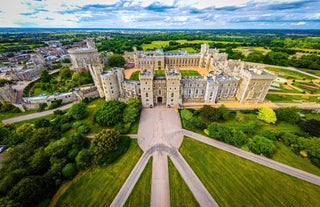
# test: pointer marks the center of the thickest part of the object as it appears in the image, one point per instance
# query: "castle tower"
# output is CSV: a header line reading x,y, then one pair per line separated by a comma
x,y
146,87
95,71
203,54
90,43
173,77
110,84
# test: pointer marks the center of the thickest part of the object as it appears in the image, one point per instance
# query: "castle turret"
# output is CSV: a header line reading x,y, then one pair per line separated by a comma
x,y
173,77
95,71
146,86
111,84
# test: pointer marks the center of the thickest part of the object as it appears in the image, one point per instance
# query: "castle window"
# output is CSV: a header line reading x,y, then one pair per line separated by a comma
x,y
172,83
172,95
171,100
159,92
147,95
146,83
196,90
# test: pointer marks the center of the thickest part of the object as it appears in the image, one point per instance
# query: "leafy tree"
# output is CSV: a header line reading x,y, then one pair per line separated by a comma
x,y
42,137
289,114
311,126
186,114
116,60
104,142
65,73
83,129
59,148
132,110
267,114
78,111
83,159
110,113
65,60
40,123
276,58
255,56
45,76
224,112
40,162
69,170
210,113
261,145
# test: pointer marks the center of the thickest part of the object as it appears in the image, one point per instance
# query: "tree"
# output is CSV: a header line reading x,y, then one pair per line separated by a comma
x,y
210,113
83,159
311,126
65,60
105,141
40,162
255,56
186,114
267,114
289,114
65,73
69,170
78,111
40,123
261,145
110,113
224,112
116,60
45,76
132,111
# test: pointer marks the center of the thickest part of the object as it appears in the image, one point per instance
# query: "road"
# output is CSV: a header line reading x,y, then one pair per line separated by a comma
x,y
255,158
36,115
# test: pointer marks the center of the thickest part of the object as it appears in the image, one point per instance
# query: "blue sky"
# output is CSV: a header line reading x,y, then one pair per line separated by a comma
x,y
171,14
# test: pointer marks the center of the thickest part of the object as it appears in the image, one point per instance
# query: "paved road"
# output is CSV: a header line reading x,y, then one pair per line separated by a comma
x,y
256,158
127,187
36,115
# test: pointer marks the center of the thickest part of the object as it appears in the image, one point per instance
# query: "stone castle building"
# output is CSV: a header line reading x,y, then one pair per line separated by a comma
x,y
227,80
82,57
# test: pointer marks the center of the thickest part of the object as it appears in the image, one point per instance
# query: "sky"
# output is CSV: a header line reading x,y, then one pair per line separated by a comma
x,y
161,14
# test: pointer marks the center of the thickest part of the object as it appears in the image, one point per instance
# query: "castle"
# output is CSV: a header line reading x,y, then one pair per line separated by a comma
x,y
226,80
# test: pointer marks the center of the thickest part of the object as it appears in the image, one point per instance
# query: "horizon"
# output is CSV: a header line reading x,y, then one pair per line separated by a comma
x,y
161,14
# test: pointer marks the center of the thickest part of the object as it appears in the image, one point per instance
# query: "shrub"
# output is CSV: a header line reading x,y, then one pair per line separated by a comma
x,y
83,129
267,114
261,145
69,170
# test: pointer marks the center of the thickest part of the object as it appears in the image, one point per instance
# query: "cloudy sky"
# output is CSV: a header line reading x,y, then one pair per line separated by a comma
x,y
171,14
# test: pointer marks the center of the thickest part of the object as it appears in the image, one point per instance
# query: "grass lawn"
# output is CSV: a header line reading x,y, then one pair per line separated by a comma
x,y
38,91
189,73
159,72
134,127
98,186
235,181
289,74
180,194
141,193
314,72
135,76
286,156
155,44
188,49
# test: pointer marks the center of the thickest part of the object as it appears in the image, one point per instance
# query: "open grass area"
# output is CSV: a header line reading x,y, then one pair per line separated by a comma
x,y
314,72
286,156
235,181
180,194
159,72
141,193
155,45
98,186
289,74
135,75
189,73
188,49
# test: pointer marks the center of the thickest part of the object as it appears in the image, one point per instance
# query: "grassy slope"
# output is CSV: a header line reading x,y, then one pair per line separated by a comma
x,y
99,185
294,74
189,73
141,193
180,194
286,156
135,76
234,181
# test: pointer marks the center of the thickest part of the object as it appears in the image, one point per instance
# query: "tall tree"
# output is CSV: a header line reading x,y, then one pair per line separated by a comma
x,y
116,60
267,114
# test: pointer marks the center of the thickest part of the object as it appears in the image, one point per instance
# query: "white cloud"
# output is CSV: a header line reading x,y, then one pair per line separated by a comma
x,y
299,23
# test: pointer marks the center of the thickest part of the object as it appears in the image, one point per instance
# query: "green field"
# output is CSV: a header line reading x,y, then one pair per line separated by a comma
x,y
189,73
8,115
180,194
141,193
98,186
135,75
155,44
235,181
286,156
289,74
314,72
188,49
159,72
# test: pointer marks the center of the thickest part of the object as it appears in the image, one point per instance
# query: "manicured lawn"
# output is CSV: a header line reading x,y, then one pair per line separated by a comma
x,y
189,73
159,72
291,98
289,74
286,156
98,186
188,49
135,76
314,72
180,194
235,181
141,193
